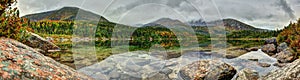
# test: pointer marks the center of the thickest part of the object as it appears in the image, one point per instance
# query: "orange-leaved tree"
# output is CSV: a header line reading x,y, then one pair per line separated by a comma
x,y
11,25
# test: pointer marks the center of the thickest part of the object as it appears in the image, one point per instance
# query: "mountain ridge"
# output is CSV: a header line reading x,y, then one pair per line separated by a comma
x,y
229,23
71,13
65,14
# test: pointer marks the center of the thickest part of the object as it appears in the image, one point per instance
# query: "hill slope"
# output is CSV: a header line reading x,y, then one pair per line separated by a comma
x,y
65,14
202,27
235,25
230,24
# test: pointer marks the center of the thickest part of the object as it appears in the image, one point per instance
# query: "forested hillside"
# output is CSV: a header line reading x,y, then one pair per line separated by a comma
x,y
61,22
252,34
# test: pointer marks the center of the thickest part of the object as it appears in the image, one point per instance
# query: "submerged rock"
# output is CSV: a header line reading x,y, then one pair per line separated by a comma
x,y
233,53
130,66
247,74
18,62
207,70
263,64
289,72
252,49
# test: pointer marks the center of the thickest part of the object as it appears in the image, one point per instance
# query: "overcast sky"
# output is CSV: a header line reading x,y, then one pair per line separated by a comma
x,y
267,14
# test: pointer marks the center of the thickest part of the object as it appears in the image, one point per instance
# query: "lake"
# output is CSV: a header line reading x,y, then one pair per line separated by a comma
x,y
97,51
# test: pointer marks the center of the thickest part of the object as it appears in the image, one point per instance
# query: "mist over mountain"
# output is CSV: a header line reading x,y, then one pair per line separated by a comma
x,y
167,22
230,24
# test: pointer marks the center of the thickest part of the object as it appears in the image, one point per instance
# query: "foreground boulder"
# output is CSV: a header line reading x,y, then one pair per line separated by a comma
x,y
18,62
36,41
285,56
207,70
247,74
289,72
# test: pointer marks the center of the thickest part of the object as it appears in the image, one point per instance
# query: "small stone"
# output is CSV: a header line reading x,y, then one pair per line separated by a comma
x,y
229,56
253,59
166,71
280,64
264,64
252,49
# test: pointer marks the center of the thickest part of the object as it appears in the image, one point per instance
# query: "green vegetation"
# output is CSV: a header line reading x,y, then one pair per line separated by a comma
x,y
60,24
53,27
245,43
253,34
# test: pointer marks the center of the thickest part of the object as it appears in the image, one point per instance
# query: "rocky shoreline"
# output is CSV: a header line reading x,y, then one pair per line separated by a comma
x,y
254,64
19,61
271,61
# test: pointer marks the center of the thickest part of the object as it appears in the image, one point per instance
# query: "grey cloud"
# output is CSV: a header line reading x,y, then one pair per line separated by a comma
x,y
174,3
251,11
181,6
34,6
286,7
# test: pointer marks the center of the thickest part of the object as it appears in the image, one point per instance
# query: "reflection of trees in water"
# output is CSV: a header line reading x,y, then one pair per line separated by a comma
x,y
245,42
147,44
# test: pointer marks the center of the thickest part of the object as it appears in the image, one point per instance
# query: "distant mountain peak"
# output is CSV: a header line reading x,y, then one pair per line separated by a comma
x,y
66,14
199,22
167,22
236,25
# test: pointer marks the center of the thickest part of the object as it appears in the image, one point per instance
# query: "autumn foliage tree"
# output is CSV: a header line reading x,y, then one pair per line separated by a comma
x,y
11,25
291,35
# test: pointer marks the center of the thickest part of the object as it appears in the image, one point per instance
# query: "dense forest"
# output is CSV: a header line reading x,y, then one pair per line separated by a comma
x,y
105,29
